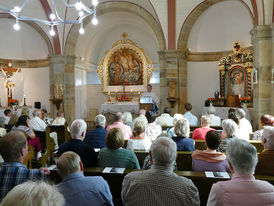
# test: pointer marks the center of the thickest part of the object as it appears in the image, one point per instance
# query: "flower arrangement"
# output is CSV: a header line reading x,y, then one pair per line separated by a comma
x,y
245,99
211,100
13,102
123,98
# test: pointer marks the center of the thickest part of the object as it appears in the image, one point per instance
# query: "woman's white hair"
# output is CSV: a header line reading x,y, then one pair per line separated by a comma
x,y
127,118
268,135
205,119
242,155
33,194
230,127
163,151
77,127
181,128
176,117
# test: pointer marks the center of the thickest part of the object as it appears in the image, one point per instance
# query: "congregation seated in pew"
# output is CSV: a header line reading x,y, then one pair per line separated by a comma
x,y
139,142
113,155
153,130
76,144
200,133
210,159
184,143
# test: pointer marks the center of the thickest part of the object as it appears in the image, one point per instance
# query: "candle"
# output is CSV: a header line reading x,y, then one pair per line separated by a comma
x,y
108,92
131,90
116,90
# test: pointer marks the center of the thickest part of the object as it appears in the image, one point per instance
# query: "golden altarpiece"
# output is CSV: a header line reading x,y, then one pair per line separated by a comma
x,y
236,78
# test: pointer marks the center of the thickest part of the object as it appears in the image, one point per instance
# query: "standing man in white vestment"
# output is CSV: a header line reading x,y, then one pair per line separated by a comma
x,y
150,97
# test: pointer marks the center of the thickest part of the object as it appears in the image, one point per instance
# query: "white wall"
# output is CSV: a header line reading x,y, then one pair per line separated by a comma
x,y
33,83
23,44
220,26
202,81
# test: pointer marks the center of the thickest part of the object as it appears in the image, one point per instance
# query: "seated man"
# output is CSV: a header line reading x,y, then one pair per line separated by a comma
x,y
243,188
265,165
36,123
192,119
8,114
97,138
159,185
76,144
215,120
245,127
165,120
77,189
119,123
14,149
59,120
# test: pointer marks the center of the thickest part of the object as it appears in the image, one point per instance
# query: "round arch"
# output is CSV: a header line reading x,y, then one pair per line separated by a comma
x,y
38,29
192,18
117,6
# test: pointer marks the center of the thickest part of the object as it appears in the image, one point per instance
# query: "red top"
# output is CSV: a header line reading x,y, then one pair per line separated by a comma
x,y
200,133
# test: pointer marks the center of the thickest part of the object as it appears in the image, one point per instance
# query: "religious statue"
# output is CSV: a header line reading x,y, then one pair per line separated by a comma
x,y
9,76
237,82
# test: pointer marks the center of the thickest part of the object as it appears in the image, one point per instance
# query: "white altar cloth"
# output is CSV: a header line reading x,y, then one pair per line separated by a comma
x,y
222,112
132,107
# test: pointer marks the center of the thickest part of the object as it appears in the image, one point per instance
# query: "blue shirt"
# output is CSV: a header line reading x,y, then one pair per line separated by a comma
x,y
184,143
15,173
96,138
79,190
192,119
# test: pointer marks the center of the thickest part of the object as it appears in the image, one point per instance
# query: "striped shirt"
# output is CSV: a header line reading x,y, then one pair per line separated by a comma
x,y
158,186
15,173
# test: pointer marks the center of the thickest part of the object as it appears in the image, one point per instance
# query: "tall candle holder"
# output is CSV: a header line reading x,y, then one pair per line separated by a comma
x,y
109,96
25,102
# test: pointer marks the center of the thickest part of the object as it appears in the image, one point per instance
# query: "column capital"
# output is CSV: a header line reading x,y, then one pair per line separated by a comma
x,y
62,59
261,32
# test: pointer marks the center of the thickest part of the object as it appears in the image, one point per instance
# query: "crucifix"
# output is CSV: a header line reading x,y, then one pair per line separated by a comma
x,y
9,74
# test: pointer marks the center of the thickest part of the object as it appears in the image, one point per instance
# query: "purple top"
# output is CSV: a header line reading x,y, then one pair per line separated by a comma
x,y
202,166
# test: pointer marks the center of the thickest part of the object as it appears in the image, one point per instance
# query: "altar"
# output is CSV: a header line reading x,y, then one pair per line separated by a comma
x,y
112,107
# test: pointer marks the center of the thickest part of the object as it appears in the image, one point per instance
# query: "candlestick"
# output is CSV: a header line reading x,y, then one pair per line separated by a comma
x,y
109,96
116,94
25,101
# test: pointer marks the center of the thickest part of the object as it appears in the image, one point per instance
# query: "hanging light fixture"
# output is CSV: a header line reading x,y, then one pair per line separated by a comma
x,y
54,19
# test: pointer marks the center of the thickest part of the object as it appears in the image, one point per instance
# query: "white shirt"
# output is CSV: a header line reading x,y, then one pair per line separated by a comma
x,y
165,120
245,129
7,119
149,97
193,121
139,144
58,121
215,120
37,124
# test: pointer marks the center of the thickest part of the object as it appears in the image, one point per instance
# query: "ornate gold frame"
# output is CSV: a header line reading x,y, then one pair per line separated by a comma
x,y
105,61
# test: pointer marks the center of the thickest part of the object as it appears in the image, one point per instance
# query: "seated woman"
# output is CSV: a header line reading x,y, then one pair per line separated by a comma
x,y
176,117
153,130
243,188
210,159
230,131
114,155
266,120
184,143
139,142
22,125
128,119
200,133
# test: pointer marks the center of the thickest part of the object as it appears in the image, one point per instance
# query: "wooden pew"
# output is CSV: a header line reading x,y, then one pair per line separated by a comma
x,y
50,145
115,181
62,132
200,145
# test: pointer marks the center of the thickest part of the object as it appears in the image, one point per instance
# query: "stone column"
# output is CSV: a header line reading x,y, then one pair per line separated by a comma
x,y
262,40
170,70
62,73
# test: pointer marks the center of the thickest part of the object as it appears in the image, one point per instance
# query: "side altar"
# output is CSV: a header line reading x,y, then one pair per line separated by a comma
x,y
237,77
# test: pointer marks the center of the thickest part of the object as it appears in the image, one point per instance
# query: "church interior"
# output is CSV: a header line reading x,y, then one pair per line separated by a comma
x,y
82,58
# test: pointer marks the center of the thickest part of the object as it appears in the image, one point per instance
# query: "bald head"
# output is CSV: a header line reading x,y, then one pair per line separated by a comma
x,y
119,116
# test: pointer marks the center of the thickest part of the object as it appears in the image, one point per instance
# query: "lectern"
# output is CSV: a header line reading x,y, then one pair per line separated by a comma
x,y
146,106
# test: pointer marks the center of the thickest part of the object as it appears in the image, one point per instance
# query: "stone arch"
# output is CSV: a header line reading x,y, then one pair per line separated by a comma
x,y
38,29
117,6
192,18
